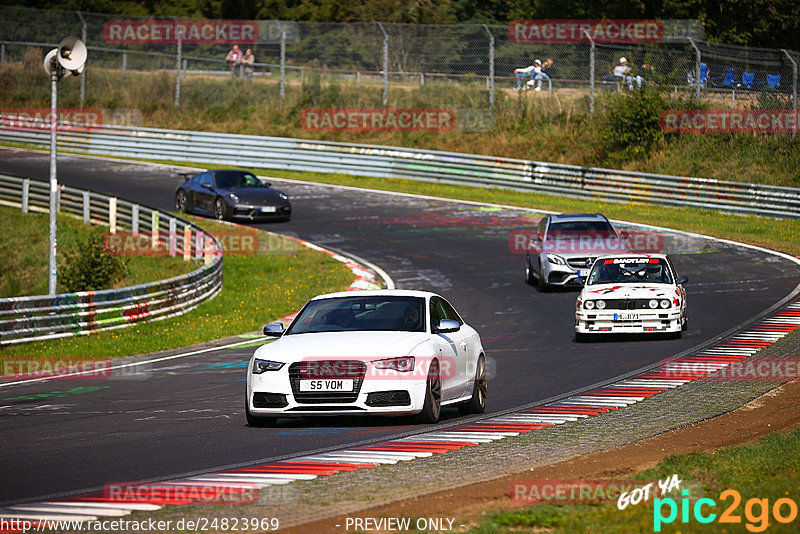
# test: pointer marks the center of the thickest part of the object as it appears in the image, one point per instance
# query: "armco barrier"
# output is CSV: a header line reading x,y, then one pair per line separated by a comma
x,y
427,165
47,317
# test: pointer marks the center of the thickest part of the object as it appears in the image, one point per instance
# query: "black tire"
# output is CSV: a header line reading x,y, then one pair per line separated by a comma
x,y
182,201
432,407
256,421
542,284
220,209
580,337
528,272
685,325
477,404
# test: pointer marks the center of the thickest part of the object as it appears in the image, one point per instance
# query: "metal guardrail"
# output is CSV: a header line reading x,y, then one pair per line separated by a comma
x,y
416,164
47,317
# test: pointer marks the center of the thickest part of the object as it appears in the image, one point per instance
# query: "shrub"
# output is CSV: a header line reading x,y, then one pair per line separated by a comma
x,y
91,267
629,125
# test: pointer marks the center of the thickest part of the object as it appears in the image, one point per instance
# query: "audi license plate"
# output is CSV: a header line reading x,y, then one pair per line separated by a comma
x,y
268,209
326,385
626,316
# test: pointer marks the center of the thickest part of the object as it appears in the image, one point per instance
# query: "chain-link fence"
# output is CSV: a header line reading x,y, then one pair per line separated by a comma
x,y
372,65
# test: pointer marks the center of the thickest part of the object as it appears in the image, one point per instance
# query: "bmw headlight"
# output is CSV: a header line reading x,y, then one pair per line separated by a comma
x,y
555,259
589,304
664,303
233,197
261,366
601,304
653,304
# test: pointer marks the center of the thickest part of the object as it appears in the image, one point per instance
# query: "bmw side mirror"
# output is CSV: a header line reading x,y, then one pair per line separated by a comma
x,y
274,330
447,325
682,280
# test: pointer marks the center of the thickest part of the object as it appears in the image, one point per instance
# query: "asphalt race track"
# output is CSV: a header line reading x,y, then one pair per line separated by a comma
x,y
186,415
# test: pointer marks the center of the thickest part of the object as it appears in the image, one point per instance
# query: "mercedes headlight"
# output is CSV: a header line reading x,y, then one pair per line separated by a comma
x,y
555,259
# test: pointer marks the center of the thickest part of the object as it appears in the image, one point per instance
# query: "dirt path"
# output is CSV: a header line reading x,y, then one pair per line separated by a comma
x,y
777,411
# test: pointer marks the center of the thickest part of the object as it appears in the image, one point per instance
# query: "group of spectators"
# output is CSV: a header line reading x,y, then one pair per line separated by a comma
x,y
240,63
621,74
537,72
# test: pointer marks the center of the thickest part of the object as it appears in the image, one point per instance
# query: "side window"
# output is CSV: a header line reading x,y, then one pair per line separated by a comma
x,y
206,178
542,227
450,312
437,312
195,180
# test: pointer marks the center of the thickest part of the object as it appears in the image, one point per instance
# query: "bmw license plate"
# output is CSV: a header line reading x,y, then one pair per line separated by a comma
x,y
326,385
626,316
268,209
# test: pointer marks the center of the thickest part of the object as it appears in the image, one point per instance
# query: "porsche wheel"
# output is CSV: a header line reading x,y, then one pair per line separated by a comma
x,y
182,202
220,210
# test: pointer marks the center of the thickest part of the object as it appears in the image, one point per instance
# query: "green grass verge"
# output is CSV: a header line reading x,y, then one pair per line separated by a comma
x,y
768,469
24,240
257,288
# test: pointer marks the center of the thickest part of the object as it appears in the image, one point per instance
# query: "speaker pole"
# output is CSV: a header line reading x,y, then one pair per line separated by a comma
x,y
51,280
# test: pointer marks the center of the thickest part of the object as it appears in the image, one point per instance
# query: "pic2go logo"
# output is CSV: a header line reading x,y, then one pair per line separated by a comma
x,y
756,511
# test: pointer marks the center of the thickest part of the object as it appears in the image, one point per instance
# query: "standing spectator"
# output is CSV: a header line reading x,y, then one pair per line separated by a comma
x,y
234,59
525,72
247,62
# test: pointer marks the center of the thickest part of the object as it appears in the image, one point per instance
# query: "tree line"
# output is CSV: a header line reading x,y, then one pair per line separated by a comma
x,y
760,23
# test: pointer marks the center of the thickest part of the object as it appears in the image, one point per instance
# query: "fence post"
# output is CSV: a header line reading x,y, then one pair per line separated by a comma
x,y
385,65
187,243
172,236
124,62
794,79
87,207
112,215
135,220
283,62
185,68
591,73
3,53
491,68
697,79
178,65
26,190
83,73
154,229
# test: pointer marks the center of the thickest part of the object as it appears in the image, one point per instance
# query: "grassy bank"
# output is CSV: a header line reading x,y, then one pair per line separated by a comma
x,y
527,125
24,240
258,288
766,471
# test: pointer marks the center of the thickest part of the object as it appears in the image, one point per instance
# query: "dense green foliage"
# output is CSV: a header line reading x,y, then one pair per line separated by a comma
x,y
91,267
765,23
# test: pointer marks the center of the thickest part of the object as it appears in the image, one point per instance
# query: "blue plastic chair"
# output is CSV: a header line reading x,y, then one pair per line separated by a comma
x,y
747,79
725,81
773,81
703,75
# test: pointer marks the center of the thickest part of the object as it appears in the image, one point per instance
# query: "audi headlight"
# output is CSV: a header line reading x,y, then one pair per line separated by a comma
x,y
557,260
653,304
233,197
403,365
664,303
601,304
260,366
589,304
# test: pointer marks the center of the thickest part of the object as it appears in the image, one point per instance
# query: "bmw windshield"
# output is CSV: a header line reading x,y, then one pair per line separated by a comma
x,y
630,270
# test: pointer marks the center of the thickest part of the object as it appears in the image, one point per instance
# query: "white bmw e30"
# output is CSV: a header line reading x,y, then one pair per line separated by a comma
x,y
631,294
381,352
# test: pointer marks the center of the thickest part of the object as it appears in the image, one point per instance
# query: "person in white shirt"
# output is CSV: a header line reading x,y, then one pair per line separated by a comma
x,y
526,72
623,71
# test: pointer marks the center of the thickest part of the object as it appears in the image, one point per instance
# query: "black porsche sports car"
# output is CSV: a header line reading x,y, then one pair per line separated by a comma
x,y
232,194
